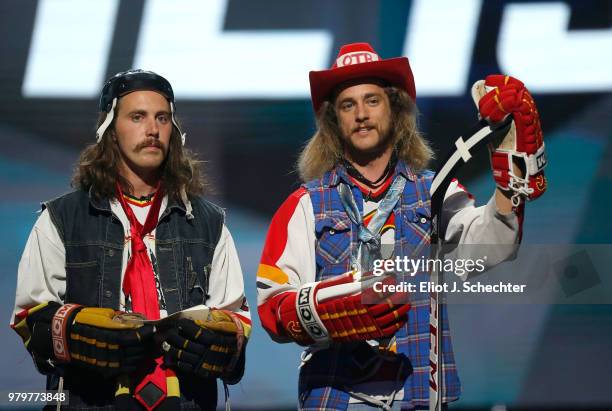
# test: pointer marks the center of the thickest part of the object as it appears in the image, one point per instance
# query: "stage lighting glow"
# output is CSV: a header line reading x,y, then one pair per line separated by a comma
x,y
70,46
204,62
439,43
185,40
536,46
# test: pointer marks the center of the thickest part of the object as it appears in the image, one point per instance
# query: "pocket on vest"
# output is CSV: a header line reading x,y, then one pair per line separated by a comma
x,y
82,283
417,225
333,240
197,264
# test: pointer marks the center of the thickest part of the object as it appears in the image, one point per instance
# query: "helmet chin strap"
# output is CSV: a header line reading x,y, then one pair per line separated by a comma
x,y
183,135
110,115
109,118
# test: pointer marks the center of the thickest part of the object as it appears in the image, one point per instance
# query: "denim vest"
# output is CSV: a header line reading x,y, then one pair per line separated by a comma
x,y
336,238
94,240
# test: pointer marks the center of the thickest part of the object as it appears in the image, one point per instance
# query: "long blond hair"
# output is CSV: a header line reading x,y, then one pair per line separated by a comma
x,y
325,148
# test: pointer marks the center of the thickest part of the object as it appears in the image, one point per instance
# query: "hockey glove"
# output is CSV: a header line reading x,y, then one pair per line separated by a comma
x,y
211,348
85,337
88,337
34,327
340,316
497,97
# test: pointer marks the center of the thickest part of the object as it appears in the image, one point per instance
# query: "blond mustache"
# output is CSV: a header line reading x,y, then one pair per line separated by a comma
x,y
367,125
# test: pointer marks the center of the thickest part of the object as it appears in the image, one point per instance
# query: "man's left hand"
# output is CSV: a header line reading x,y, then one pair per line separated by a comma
x,y
499,96
211,348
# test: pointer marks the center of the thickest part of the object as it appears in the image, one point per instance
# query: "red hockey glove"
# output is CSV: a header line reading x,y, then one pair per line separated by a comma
x,y
497,97
333,311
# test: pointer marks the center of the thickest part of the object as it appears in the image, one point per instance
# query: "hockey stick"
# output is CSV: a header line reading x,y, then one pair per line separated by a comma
x,y
479,136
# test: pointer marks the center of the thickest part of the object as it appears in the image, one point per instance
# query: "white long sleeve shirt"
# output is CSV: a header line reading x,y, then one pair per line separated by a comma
x,y
41,274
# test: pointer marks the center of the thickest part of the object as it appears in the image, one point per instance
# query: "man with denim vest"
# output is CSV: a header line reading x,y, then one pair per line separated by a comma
x,y
366,196
134,237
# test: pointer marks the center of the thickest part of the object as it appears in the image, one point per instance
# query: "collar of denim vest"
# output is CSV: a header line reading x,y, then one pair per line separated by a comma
x,y
339,174
103,204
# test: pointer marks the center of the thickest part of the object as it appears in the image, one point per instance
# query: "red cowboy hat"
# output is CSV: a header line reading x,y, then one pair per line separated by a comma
x,y
355,61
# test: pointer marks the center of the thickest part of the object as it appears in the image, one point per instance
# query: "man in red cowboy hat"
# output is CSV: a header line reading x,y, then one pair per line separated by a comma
x,y
135,236
365,197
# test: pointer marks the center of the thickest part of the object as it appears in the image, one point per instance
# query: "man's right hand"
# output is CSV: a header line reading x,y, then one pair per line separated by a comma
x,y
89,337
343,318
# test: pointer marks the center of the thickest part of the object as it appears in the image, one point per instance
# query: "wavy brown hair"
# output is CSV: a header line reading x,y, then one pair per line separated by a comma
x,y
326,148
98,167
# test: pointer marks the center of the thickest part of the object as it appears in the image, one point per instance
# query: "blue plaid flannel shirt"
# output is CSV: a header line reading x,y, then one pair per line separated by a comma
x,y
322,382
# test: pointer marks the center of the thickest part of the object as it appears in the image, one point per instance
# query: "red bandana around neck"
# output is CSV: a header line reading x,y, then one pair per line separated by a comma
x,y
139,285
139,279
